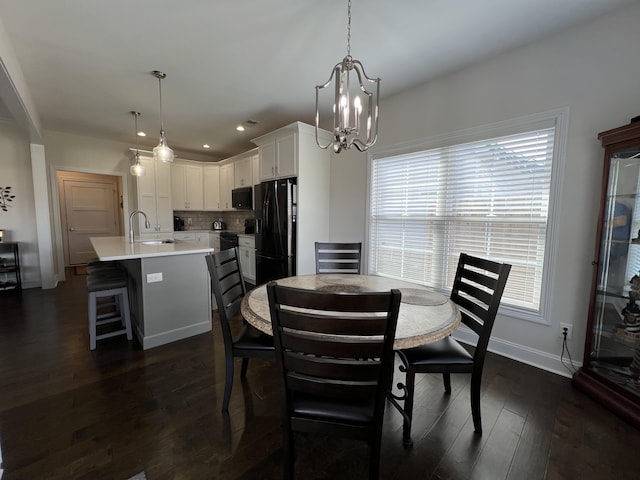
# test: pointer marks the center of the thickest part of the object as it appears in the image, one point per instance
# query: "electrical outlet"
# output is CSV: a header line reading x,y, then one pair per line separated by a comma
x,y
154,277
569,328
189,221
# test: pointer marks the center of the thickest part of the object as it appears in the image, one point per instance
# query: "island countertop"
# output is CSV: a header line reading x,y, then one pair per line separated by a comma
x,y
119,248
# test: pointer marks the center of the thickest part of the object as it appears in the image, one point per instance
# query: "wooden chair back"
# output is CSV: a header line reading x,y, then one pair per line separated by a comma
x,y
227,285
338,257
477,290
335,354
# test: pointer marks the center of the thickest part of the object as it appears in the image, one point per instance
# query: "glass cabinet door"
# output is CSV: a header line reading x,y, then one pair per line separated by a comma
x,y
615,342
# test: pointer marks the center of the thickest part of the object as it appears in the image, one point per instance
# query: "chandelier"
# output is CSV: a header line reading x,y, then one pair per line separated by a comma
x,y
162,151
137,169
355,108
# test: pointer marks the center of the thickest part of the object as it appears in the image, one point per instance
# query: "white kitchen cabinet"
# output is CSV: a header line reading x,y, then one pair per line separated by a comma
x,y
211,175
247,252
203,238
214,241
187,187
278,156
255,162
154,197
243,172
226,185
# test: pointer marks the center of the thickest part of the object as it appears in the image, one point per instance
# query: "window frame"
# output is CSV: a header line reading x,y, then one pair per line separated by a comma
x,y
559,118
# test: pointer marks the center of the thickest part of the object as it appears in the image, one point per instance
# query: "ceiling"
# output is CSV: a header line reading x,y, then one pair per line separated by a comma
x,y
88,63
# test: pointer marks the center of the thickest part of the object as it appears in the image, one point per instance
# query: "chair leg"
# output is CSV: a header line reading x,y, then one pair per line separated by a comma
x,y
289,460
245,365
408,407
374,457
446,377
92,321
228,382
475,403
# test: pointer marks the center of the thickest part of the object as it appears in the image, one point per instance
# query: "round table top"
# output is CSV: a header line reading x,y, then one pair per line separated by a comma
x,y
425,315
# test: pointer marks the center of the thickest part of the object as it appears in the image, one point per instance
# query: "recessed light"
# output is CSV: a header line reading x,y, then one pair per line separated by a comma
x,y
206,145
142,134
240,128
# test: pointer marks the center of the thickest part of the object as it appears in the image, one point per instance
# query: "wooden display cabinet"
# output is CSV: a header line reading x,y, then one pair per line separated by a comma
x,y
611,367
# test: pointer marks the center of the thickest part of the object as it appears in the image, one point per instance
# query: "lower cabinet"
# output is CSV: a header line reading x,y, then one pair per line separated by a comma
x,y
214,241
247,251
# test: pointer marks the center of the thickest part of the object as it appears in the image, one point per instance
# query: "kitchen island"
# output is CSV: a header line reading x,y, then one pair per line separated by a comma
x,y
169,286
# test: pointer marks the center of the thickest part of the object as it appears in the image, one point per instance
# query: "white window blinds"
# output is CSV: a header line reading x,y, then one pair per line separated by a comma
x,y
487,198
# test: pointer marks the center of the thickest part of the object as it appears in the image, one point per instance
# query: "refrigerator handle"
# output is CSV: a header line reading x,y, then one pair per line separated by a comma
x,y
265,210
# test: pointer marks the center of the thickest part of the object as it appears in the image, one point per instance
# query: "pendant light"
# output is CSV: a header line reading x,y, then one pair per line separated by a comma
x,y
349,128
137,169
162,151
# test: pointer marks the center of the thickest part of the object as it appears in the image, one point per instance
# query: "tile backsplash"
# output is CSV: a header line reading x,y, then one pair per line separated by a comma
x,y
203,220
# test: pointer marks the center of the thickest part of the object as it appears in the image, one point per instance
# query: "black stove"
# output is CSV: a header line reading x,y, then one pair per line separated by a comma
x,y
228,240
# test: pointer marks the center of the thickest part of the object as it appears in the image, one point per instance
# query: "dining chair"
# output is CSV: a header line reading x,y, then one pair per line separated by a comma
x,y
338,257
335,354
229,289
477,290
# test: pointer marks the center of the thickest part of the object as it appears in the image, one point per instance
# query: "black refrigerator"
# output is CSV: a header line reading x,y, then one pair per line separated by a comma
x,y
275,231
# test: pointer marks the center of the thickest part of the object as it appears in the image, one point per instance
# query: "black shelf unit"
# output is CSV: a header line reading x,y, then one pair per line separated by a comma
x,y
10,280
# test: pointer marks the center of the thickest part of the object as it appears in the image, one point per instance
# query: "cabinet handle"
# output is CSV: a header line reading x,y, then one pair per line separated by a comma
x,y
71,229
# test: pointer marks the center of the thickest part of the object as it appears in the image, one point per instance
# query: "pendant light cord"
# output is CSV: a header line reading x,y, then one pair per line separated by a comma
x,y
161,118
136,133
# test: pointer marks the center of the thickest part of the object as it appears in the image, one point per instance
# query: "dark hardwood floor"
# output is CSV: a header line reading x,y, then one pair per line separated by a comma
x,y
69,413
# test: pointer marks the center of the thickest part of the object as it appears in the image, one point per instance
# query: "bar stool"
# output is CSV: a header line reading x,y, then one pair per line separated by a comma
x,y
101,268
108,284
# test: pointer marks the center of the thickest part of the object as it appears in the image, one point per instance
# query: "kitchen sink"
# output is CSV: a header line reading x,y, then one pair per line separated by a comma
x,y
156,242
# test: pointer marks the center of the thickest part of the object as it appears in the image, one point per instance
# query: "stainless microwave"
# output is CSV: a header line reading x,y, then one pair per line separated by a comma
x,y
242,198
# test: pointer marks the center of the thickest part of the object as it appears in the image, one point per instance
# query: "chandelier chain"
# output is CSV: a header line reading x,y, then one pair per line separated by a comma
x,y
349,28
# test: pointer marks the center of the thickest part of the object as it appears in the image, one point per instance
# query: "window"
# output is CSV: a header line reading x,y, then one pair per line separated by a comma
x,y
488,197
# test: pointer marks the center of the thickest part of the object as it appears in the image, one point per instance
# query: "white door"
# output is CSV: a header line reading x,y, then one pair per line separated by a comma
x,y
91,210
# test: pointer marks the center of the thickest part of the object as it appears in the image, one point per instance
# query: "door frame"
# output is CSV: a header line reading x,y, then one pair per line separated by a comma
x,y
58,244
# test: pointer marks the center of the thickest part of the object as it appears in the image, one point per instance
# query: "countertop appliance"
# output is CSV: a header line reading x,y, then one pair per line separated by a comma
x,y
250,225
242,198
219,225
178,224
275,229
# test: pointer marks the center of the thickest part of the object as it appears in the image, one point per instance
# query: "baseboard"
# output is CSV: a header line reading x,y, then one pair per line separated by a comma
x,y
520,353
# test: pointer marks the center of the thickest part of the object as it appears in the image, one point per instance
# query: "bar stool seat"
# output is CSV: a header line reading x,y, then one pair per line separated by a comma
x,y
108,284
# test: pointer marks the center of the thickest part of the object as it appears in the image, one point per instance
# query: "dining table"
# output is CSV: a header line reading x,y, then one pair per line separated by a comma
x,y
425,315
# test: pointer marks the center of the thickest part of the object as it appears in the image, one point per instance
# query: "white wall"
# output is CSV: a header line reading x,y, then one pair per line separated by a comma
x,y
593,70
18,221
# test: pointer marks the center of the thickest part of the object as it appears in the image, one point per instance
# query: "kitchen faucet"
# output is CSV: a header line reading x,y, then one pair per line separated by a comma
x,y
146,223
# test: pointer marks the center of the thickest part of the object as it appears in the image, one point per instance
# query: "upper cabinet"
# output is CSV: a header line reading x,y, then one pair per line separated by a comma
x,y
211,174
227,184
154,196
255,166
243,171
278,155
187,186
